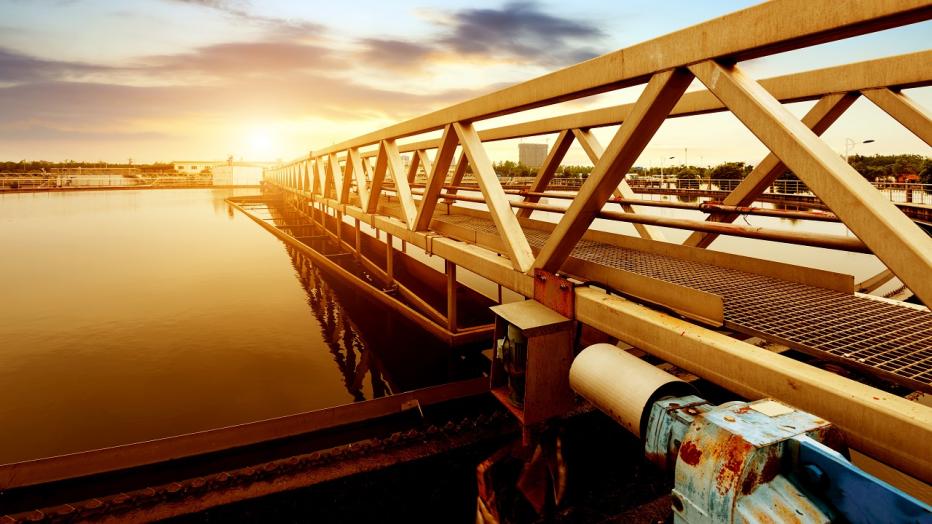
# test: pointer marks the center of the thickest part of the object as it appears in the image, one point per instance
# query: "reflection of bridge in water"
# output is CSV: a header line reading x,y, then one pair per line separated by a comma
x,y
352,354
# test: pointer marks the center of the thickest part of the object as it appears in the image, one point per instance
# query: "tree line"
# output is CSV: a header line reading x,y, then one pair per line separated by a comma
x,y
38,166
876,168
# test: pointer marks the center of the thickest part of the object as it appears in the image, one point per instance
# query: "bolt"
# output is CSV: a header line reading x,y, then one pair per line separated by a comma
x,y
814,477
677,504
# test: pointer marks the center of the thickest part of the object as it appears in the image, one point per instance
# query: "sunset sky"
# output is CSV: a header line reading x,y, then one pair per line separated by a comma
x,y
162,80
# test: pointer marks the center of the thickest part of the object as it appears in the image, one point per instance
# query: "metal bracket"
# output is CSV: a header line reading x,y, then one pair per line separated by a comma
x,y
555,292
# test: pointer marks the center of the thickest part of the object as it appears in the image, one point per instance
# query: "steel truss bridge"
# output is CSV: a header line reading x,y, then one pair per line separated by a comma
x,y
692,307
697,290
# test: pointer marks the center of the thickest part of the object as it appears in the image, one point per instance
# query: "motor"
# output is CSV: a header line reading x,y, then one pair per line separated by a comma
x,y
760,461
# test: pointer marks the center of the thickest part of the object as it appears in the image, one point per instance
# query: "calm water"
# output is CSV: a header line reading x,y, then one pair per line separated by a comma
x,y
134,315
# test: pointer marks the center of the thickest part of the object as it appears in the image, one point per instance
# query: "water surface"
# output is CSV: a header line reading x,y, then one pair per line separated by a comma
x,y
133,315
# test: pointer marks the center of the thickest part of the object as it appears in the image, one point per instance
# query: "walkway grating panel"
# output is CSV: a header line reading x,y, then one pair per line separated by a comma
x,y
888,340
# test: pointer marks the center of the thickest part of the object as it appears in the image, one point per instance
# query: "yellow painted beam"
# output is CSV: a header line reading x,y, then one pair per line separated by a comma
x,y
882,425
893,237
778,26
516,245
819,118
653,106
904,109
594,151
548,169
436,176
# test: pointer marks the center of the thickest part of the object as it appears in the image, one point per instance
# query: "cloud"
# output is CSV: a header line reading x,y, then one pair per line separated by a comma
x,y
394,54
30,133
288,76
241,11
521,30
516,32
92,110
18,68
247,58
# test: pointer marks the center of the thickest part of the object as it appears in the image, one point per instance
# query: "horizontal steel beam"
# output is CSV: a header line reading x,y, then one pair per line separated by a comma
x,y
885,426
902,71
778,26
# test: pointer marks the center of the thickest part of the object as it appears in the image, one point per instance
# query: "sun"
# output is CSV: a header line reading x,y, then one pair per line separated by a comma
x,y
261,144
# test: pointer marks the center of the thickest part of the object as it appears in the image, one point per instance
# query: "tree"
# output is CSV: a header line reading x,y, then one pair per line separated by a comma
x,y
730,174
925,176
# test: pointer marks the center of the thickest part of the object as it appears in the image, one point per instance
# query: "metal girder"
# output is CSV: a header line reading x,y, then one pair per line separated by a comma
x,y
424,161
894,238
302,169
412,168
548,169
594,151
335,175
896,72
354,168
779,26
505,220
320,177
462,164
819,118
890,428
904,109
378,178
436,176
653,106
389,154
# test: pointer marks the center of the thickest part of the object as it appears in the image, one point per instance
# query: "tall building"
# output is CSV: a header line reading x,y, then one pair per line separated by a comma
x,y
532,155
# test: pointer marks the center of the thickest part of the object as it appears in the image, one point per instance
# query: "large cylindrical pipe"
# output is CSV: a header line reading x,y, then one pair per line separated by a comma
x,y
623,386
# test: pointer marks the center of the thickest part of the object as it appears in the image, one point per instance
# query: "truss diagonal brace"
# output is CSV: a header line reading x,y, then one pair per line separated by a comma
x,y
548,169
390,158
516,244
436,176
904,110
819,118
594,150
354,169
652,107
335,175
893,237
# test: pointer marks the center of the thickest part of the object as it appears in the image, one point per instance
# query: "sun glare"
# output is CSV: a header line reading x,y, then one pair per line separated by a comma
x,y
261,144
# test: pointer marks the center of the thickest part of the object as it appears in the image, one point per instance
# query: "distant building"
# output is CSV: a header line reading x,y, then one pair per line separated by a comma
x,y
194,167
532,155
223,172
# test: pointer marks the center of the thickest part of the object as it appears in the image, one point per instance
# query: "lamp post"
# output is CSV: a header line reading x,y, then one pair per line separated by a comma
x,y
662,162
851,143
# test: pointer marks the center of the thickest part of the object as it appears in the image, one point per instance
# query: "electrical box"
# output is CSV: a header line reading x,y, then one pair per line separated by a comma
x,y
531,361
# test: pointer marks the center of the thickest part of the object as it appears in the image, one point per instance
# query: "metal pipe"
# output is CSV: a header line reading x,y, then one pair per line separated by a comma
x,y
623,386
790,237
705,207
841,243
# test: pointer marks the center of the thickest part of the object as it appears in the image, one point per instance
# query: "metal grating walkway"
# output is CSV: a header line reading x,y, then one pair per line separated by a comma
x,y
882,338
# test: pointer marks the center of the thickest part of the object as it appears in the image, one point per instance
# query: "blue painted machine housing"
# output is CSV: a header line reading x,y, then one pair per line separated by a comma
x,y
732,463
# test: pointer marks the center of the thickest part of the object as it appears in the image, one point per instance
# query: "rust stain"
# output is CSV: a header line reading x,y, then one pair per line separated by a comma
x,y
690,453
731,453
771,466
749,483
833,438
